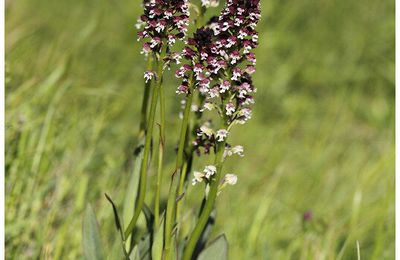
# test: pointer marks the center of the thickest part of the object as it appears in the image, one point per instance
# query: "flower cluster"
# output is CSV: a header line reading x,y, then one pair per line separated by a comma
x,y
220,65
205,175
208,172
229,151
235,38
206,137
163,21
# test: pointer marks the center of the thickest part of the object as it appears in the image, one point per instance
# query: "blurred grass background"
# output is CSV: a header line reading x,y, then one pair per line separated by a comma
x,y
321,139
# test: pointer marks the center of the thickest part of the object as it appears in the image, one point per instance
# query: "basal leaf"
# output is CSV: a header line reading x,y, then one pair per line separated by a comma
x,y
134,254
149,216
217,250
144,247
91,242
133,187
132,190
158,239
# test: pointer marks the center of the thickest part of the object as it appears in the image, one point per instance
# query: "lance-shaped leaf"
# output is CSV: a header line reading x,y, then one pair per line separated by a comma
x,y
207,230
134,255
116,217
91,242
116,251
217,250
133,186
132,189
144,247
158,239
149,216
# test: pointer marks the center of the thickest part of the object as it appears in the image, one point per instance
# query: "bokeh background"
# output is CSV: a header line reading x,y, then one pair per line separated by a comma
x,y
321,141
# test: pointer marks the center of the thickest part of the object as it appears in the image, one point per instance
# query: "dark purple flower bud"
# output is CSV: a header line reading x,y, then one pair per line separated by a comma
x,y
198,68
183,88
146,48
141,35
187,67
188,53
308,216
192,42
250,69
251,57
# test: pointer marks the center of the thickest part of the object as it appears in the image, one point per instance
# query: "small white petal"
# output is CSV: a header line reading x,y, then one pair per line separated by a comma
x,y
209,170
231,179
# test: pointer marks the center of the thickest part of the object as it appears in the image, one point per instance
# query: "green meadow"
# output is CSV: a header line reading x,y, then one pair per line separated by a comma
x,y
321,140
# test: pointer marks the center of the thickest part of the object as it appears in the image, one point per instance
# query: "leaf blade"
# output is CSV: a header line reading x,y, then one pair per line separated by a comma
x,y
217,250
157,247
91,241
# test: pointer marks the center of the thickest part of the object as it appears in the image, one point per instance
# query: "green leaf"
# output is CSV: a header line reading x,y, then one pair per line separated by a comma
x,y
217,250
174,248
157,247
134,254
116,216
116,251
149,216
92,247
144,247
133,187
207,230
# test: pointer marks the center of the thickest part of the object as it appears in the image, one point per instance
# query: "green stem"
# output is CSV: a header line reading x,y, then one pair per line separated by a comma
x,y
179,174
145,101
146,152
184,127
171,203
209,205
180,189
160,158
187,163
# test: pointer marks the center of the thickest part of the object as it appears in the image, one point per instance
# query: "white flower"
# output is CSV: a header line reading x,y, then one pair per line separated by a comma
x,y
237,73
154,42
167,14
139,24
148,75
238,149
221,135
160,27
230,109
207,106
176,57
204,55
225,86
198,177
234,150
171,40
230,179
194,108
254,38
198,68
209,171
205,130
245,115
214,92
209,3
